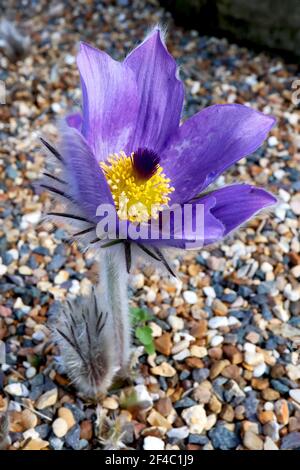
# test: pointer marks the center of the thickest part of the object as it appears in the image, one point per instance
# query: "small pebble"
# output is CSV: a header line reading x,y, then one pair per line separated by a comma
x,y
60,427
153,443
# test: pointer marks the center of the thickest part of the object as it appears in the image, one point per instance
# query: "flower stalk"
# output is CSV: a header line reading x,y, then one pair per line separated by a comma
x,y
113,284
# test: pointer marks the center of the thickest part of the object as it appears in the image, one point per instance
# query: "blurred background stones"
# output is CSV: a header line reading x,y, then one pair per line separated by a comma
x,y
272,24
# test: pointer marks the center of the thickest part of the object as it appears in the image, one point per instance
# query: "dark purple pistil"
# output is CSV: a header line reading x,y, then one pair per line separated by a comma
x,y
145,163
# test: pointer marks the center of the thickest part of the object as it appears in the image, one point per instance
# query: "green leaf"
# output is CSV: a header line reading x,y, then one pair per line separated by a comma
x,y
149,348
144,334
138,315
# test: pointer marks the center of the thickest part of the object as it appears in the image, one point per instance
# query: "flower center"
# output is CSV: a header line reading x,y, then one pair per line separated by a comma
x,y
138,185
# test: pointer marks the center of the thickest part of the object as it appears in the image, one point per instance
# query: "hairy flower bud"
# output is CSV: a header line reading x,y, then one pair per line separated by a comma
x,y
86,339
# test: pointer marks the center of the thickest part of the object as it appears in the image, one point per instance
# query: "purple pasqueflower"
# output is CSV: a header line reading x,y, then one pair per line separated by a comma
x,y
128,149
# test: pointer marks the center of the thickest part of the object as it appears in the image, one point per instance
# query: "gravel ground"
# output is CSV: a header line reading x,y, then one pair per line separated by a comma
x,y
226,374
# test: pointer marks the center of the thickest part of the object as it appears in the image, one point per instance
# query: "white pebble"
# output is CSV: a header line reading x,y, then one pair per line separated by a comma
x,y
216,341
32,218
249,347
180,346
295,204
3,269
60,427
151,295
272,141
143,395
233,321
281,313
190,297
296,271
2,352
137,281
254,358
156,329
291,294
295,394
25,270
17,390
269,406
14,254
31,433
176,323
279,174
153,443
30,372
209,292
75,287
195,418
61,277
178,433
266,267
69,59
55,107
217,322
19,305
285,196
259,370
182,355
280,210
38,335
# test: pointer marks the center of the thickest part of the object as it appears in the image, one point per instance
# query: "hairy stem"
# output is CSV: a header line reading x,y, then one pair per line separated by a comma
x,y
113,286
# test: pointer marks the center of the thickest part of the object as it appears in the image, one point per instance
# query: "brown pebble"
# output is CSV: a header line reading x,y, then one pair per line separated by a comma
x,y
163,344
215,405
239,412
227,413
5,311
235,356
282,411
164,406
29,419
16,421
250,426
266,416
277,371
259,384
164,370
86,430
202,393
199,329
217,368
194,362
219,308
215,353
67,415
193,269
294,424
252,442
253,337
270,395
35,444
247,375
156,419
193,447
231,372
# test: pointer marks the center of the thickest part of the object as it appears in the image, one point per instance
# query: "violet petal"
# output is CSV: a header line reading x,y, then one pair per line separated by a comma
x,y
160,92
210,142
86,182
110,101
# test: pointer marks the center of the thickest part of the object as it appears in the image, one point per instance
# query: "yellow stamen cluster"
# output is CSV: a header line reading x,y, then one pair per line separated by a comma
x,y
136,199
